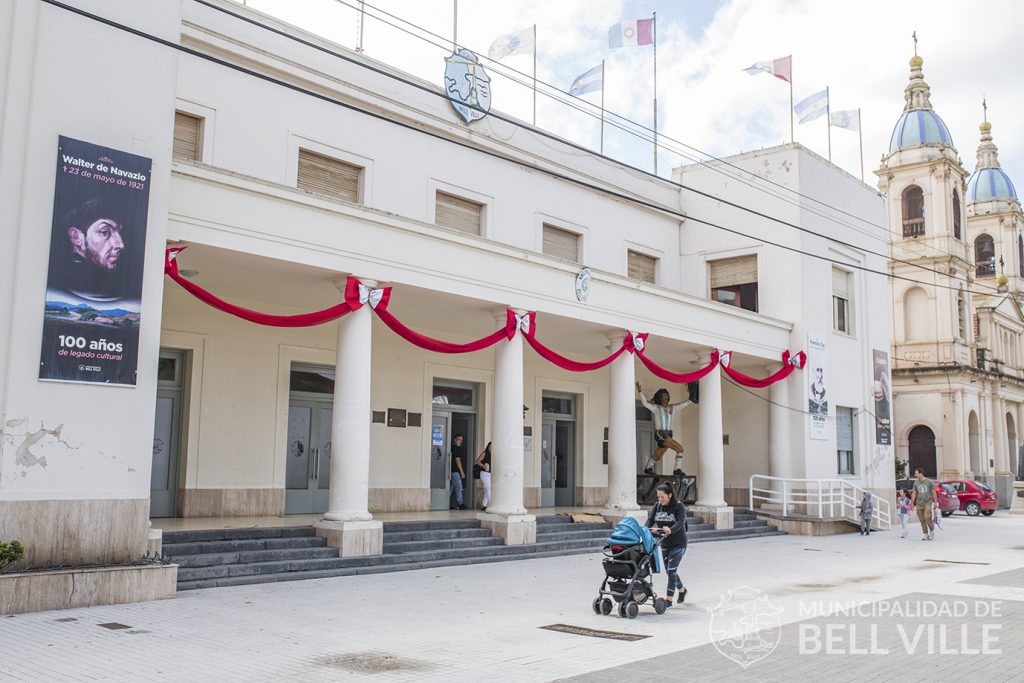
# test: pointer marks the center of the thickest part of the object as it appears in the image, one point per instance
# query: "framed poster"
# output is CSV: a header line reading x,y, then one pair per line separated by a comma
x,y
883,398
817,402
93,305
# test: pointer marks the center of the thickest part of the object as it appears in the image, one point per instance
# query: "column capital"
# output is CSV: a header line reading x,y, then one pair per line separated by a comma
x,y
499,313
704,357
615,338
340,281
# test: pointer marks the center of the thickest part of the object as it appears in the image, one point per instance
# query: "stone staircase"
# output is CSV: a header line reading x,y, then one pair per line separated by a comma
x,y
231,557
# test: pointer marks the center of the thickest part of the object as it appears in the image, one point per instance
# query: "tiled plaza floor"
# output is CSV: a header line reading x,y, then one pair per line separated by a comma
x,y
483,622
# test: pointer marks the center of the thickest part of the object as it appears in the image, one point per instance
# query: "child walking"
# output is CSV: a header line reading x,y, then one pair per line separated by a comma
x,y
866,507
903,510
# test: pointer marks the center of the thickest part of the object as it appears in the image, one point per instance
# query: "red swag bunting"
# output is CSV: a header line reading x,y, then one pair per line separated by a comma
x,y
439,346
300,320
567,363
785,371
680,378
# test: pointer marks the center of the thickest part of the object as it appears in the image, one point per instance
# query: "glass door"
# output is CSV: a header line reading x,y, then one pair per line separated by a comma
x,y
308,447
163,482
439,461
558,450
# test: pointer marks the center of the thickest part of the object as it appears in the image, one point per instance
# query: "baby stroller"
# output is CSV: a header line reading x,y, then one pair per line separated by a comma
x,y
631,556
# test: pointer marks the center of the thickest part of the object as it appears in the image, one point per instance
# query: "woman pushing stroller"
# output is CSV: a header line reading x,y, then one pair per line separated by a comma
x,y
668,517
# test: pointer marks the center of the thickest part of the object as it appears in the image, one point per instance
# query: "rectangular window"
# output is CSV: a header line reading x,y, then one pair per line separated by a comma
x,y
458,213
561,243
187,143
961,313
319,174
734,281
641,266
841,301
844,439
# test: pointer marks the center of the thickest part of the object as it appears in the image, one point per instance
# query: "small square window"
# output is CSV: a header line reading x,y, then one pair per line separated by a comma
x,y
187,144
641,266
844,440
734,281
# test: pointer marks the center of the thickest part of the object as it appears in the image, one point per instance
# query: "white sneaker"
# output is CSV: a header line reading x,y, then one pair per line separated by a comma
x,y
925,537
931,535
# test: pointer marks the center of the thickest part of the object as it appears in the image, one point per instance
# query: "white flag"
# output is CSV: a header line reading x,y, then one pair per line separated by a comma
x,y
521,42
812,107
848,118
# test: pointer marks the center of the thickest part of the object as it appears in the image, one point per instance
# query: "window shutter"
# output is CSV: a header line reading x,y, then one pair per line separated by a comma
x,y
844,429
730,272
186,137
561,243
329,177
841,284
641,267
458,213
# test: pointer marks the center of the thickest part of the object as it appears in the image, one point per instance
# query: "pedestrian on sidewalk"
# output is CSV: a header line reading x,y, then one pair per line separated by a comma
x,y
668,517
483,462
458,474
903,509
923,499
937,516
866,508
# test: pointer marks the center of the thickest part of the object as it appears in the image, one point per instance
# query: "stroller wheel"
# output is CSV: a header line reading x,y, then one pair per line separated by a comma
x,y
597,605
659,605
632,609
606,606
622,609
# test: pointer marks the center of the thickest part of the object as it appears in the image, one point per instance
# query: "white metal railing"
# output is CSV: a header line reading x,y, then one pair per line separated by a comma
x,y
829,499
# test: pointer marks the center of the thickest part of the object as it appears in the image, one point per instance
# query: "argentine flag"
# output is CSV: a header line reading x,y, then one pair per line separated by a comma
x,y
812,107
588,81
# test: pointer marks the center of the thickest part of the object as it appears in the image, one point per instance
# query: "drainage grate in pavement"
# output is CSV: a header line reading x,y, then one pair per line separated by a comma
x,y
65,620
983,564
114,626
371,662
593,632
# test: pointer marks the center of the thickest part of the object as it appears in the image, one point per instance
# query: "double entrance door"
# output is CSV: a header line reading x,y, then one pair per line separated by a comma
x,y
558,450
308,456
454,413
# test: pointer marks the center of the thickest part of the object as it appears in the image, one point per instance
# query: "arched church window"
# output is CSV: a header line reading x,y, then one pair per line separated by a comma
x,y
1020,255
984,255
956,215
913,212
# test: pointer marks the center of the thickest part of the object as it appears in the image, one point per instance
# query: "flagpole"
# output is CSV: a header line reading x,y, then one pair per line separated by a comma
x,y
362,20
792,135
828,123
535,74
602,107
455,27
860,133
654,28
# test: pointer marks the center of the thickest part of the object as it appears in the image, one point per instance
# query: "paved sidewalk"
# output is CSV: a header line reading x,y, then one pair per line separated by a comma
x,y
483,621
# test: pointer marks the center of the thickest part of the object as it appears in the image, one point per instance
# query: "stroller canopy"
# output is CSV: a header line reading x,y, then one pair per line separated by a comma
x,y
630,532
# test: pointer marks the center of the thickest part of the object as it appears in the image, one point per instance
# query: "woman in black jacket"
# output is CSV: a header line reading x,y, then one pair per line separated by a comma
x,y
668,517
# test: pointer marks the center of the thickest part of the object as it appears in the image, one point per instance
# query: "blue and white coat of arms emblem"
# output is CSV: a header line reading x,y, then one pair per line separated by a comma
x,y
467,85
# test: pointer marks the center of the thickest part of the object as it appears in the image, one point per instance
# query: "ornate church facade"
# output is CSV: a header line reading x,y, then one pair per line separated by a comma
x,y
957,266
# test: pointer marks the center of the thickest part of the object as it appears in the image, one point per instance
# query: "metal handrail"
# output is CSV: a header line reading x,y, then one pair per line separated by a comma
x,y
820,498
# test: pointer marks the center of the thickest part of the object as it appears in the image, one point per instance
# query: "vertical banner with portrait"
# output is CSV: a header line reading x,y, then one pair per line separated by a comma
x,y
97,247
883,398
817,402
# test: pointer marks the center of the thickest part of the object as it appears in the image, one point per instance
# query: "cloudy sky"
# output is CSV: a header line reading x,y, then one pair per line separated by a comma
x,y
705,99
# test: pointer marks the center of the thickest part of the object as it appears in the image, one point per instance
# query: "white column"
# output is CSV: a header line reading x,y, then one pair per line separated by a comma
x,y
506,516
621,436
711,481
348,524
780,451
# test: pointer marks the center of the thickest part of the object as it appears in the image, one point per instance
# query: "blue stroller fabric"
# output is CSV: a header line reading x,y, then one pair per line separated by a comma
x,y
631,532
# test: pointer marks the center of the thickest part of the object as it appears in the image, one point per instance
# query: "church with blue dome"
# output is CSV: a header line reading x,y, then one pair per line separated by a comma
x,y
956,248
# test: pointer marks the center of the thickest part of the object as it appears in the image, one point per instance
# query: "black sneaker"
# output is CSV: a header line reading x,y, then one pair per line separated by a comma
x,y
648,470
682,597
679,473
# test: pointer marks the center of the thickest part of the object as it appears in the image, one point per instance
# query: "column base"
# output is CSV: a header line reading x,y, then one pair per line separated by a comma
x,y
719,515
352,539
155,542
614,515
512,529
1017,503
1004,488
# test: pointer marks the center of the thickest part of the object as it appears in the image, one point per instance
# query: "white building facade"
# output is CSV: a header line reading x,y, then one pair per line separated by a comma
x,y
285,165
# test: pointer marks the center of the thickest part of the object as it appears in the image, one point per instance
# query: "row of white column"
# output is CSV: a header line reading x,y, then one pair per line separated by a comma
x,y
350,464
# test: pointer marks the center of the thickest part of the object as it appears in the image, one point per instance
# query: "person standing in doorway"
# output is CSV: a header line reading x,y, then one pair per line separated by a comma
x,y
668,518
923,498
663,411
483,461
458,473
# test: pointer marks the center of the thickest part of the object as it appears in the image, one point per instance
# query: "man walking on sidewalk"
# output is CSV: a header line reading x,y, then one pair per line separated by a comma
x,y
923,499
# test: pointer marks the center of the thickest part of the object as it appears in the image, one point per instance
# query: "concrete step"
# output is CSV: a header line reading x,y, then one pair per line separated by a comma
x,y
432,525
240,545
248,557
595,535
438,534
438,544
174,537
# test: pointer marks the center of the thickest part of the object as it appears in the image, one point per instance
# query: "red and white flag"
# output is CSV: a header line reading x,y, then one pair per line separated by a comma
x,y
780,68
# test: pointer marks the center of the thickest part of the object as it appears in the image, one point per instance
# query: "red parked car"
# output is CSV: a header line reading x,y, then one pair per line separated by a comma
x,y
974,497
945,495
